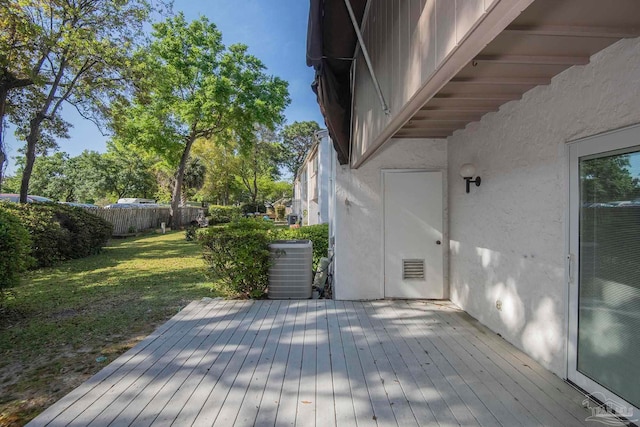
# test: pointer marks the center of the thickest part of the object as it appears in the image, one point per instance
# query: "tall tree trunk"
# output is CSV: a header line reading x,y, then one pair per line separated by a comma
x,y
174,219
255,177
7,83
254,195
30,156
3,159
34,130
3,154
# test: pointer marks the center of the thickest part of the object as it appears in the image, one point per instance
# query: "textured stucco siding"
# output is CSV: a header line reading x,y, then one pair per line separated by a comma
x,y
325,173
508,237
358,210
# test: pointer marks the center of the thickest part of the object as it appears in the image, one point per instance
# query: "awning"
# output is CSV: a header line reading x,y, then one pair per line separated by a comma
x,y
331,42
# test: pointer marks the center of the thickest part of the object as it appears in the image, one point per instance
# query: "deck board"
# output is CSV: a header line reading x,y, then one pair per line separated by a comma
x,y
486,398
321,363
326,413
169,390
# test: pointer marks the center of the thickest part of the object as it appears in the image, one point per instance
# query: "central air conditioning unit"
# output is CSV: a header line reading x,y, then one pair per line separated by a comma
x,y
291,271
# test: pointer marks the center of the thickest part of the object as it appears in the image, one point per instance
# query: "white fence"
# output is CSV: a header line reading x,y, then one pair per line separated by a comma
x,y
134,220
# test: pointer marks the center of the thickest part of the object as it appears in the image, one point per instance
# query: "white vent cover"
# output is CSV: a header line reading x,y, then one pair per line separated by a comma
x,y
413,269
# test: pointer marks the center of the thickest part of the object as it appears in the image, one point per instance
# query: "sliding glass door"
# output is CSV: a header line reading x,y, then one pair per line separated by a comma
x,y
604,327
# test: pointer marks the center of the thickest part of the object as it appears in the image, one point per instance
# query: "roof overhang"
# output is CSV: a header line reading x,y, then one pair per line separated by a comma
x,y
528,50
546,39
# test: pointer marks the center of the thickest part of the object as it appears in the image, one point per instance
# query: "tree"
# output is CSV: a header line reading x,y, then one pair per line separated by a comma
x,y
276,190
257,168
21,56
608,179
92,176
82,59
193,178
220,160
50,178
197,88
297,139
123,173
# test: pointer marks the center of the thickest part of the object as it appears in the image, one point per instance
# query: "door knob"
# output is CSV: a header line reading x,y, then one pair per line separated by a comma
x,y
438,242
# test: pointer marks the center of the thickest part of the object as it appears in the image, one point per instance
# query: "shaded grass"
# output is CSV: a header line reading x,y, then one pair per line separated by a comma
x,y
55,324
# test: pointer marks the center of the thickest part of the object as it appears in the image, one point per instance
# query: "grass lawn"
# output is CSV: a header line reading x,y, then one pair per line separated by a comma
x,y
59,320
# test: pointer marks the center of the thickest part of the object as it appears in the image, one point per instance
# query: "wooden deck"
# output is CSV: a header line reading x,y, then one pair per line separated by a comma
x,y
322,363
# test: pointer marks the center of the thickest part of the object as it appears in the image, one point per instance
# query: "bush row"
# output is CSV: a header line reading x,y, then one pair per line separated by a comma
x,y
60,232
223,214
15,247
238,254
318,234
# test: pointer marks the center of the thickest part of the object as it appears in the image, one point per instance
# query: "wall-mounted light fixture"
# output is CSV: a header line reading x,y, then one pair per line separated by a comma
x,y
468,171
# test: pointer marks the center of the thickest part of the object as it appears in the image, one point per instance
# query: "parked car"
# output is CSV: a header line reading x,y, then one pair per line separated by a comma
x,y
15,198
136,200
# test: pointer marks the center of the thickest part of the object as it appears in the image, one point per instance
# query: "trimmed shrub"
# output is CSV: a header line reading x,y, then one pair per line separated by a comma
x,y
238,255
223,214
61,232
15,247
318,234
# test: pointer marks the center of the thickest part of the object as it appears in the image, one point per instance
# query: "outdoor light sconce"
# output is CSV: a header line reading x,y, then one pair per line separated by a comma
x,y
467,171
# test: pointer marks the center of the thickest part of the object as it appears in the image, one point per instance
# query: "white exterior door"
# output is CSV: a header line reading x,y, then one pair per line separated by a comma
x,y
604,277
413,247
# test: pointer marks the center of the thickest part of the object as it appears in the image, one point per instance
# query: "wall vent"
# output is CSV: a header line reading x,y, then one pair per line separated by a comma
x,y
412,269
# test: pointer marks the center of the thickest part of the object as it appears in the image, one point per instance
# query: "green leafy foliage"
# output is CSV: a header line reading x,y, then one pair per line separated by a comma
x,y
60,232
15,247
608,179
220,185
193,87
79,53
223,214
318,234
238,255
236,176
297,139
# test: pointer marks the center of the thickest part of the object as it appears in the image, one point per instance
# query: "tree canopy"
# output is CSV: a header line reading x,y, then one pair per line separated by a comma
x,y
195,87
71,52
297,139
608,179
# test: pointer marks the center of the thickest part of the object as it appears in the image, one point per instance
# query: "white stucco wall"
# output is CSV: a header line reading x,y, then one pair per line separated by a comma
x,y
358,252
325,175
508,237
316,211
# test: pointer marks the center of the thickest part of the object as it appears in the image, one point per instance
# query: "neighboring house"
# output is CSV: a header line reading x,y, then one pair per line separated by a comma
x,y
313,184
542,98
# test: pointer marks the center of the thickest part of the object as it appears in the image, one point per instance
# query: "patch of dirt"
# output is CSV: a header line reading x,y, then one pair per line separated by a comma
x,y
9,317
64,314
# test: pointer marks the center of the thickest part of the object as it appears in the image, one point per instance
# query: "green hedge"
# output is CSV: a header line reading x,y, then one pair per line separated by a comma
x,y
223,214
61,232
318,234
238,253
15,247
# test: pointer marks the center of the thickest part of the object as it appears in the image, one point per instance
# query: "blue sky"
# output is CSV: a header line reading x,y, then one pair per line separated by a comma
x,y
275,32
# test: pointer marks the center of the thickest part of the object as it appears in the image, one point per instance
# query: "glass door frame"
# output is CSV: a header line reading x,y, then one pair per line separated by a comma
x,y
619,140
